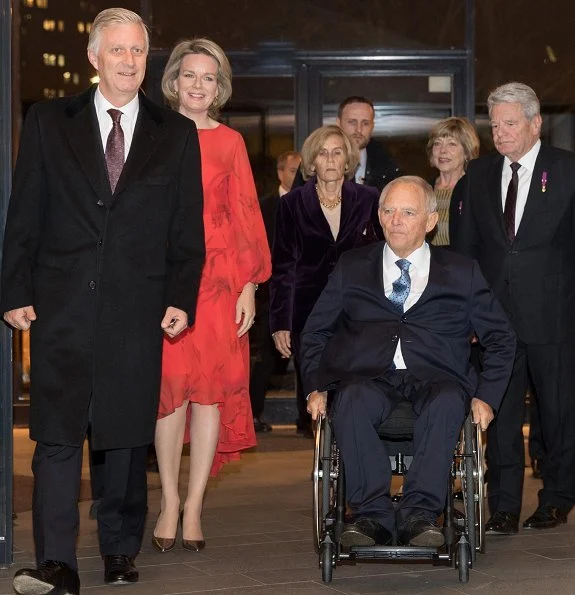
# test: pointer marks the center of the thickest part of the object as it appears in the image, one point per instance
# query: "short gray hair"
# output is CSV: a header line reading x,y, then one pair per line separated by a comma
x,y
428,193
110,17
515,93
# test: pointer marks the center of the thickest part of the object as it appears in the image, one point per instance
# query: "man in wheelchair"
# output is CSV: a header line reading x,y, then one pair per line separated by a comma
x,y
394,322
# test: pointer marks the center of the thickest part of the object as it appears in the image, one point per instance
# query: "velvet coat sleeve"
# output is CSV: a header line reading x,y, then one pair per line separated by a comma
x,y
251,244
283,280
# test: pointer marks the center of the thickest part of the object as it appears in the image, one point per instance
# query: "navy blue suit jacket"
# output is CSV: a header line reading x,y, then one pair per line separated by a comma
x,y
352,333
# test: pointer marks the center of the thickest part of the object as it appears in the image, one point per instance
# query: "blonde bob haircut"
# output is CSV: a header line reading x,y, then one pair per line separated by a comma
x,y
207,47
111,17
462,130
314,143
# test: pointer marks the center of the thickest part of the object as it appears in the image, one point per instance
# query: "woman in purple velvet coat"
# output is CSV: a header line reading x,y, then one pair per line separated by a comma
x,y
315,224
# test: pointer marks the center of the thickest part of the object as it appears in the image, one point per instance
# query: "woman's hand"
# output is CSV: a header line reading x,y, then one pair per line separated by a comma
x,y
282,340
246,308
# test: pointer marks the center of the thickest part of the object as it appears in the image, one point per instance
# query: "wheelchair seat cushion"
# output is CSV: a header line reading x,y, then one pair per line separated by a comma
x,y
399,425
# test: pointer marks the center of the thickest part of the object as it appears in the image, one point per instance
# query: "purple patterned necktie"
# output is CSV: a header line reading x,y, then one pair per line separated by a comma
x,y
115,149
511,202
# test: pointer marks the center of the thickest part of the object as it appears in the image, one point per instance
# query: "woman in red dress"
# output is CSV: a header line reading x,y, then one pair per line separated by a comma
x,y
205,374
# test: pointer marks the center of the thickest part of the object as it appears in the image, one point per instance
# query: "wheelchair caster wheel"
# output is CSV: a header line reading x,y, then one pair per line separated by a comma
x,y
326,562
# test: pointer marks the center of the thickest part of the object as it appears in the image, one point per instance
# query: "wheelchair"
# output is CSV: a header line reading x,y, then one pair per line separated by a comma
x,y
463,516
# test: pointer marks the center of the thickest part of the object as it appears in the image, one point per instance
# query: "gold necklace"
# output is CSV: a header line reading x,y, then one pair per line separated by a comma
x,y
327,205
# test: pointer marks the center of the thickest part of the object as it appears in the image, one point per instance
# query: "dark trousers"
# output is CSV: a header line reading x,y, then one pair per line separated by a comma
x,y
121,516
536,447
263,353
357,412
551,369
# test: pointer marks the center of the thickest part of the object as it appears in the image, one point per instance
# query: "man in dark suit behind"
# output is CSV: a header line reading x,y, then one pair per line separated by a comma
x,y
517,218
101,258
356,117
394,322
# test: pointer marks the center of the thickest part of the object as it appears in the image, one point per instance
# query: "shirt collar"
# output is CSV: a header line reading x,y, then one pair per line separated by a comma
x,y
130,110
416,258
528,160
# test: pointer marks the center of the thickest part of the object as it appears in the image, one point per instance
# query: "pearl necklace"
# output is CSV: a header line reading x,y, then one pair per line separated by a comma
x,y
327,205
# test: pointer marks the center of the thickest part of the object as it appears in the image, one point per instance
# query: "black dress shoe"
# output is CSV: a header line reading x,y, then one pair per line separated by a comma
x,y
50,577
120,570
365,531
261,427
502,523
420,531
546,516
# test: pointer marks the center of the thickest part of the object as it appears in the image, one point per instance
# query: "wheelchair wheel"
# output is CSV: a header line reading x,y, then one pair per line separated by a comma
x,y
472,473
463,560
480,492
323,481
326,561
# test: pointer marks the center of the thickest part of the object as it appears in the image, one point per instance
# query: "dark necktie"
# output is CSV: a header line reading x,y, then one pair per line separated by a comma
x,y
115,149
401,285
511,202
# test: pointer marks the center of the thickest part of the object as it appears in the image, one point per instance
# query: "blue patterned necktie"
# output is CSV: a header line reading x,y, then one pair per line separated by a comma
x,y
401,285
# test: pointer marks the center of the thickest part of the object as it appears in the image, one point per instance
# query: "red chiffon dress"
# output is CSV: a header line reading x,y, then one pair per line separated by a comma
x,y
208,363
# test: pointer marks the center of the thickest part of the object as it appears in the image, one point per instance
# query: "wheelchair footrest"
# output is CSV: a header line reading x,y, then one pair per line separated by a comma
x,y
388,552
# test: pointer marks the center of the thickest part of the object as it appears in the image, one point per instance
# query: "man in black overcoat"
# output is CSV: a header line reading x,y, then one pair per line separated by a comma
x,y
514,212
103,251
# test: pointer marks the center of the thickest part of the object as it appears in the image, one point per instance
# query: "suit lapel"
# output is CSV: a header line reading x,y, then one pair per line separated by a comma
x,y
537,198
494,198
83,134
313,209
436,281
143,144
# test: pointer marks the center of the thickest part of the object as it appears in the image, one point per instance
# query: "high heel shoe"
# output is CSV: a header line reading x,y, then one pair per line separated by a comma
x,y
191,545
163,544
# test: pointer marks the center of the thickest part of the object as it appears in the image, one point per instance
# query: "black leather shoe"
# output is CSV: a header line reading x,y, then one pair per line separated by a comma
x,y
365,531
261,427
120,570
420,532
50,577
546,516
502,523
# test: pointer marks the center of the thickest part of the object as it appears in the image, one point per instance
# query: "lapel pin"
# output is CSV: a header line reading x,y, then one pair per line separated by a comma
x,y
544,181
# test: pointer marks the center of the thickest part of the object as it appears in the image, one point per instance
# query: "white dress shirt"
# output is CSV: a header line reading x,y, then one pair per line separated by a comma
x,y
419,275
127,121
525,172
360,171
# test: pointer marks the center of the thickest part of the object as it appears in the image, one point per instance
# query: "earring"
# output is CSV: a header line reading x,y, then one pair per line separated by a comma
x,y
312,169
346,167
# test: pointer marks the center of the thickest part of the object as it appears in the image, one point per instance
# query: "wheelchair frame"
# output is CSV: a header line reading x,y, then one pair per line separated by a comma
x,y
464,530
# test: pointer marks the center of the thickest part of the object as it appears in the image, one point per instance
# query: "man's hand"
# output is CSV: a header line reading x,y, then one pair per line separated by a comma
x,y
316,404
482,413
174,322
282,340
20,318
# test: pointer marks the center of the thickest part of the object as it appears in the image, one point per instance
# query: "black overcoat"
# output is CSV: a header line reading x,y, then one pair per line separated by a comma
x,y
100,268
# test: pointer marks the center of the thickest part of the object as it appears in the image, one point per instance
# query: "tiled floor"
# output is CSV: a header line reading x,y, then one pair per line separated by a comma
x,y
257,523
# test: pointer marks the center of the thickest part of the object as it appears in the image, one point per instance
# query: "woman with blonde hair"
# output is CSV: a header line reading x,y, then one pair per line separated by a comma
x,y
205,373
452,144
